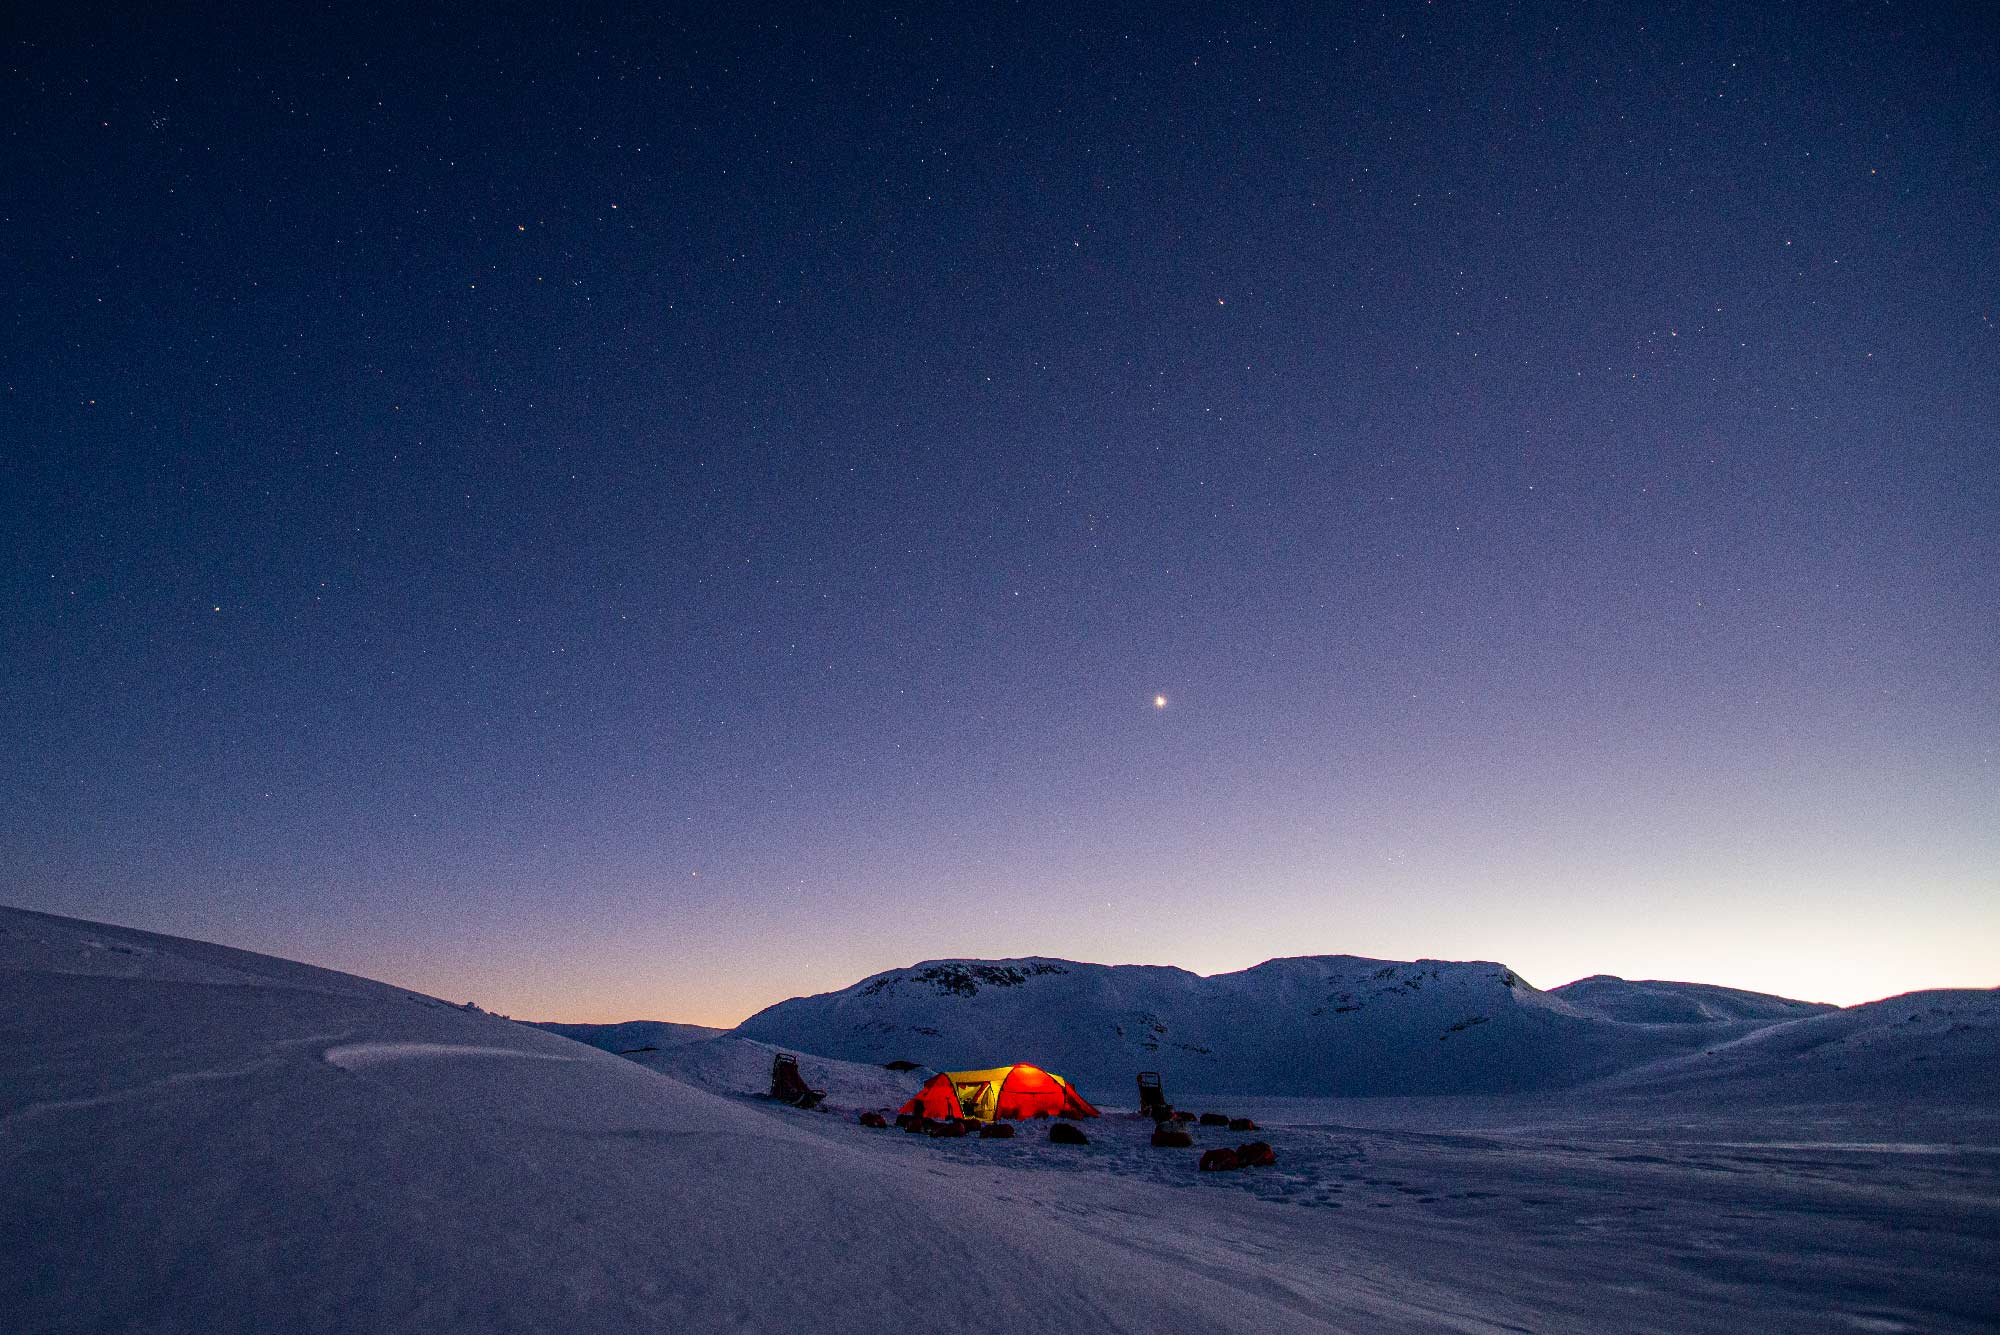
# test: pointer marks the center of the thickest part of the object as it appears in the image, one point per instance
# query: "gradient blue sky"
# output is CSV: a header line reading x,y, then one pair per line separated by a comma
x,y
644,515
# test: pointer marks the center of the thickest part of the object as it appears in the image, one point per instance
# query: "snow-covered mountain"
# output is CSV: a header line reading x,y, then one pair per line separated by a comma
x,y
1931,1047
1678,1003
1314,1025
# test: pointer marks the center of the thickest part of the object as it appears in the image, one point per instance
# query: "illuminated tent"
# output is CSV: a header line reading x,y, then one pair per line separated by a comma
x,y
1002,1093
936,1099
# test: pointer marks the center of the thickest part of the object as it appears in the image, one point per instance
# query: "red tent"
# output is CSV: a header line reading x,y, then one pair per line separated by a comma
x,y
1004,1092
937,1098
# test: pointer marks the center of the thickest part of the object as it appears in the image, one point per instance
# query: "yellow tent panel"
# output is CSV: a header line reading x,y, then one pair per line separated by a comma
x,y
1017,1091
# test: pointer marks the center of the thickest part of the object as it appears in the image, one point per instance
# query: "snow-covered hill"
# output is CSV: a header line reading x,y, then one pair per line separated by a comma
x,y
199,1139
1654,1002
731,1063
1306,1026
1938,1047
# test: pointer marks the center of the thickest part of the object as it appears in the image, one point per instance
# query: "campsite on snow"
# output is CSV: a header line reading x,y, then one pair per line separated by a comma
x,y
777,669
196,1138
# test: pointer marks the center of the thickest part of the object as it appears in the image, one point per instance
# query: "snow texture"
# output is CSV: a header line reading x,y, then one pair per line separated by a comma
x,y
202,1140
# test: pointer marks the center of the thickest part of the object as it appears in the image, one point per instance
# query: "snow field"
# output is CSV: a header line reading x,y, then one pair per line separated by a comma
x,y
196,1139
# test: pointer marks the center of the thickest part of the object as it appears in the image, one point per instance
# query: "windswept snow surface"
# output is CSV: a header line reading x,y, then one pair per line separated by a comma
x,y
197,1139
1333,1024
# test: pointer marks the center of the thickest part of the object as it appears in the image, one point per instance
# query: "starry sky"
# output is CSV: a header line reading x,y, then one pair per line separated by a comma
x,y
639,514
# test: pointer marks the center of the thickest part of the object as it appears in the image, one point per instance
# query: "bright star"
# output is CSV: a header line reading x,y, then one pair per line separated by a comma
x,y
1159,702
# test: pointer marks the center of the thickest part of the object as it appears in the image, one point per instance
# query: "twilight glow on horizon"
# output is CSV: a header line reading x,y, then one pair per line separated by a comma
x,y
642,516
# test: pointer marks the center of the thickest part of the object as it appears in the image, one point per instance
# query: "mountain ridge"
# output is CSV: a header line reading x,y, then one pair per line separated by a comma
x,y
1315,1024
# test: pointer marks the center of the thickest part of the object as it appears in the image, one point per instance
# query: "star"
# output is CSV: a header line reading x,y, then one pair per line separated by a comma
x,y
1159,702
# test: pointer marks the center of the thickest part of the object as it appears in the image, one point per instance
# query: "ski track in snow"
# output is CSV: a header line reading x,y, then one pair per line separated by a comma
x,y
277,1057
355,1056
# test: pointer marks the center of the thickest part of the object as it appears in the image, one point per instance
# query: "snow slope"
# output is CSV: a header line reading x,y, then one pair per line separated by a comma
x,y
733,1064
1931,1048
194,1139
199,1139
1317,1025
1654,1002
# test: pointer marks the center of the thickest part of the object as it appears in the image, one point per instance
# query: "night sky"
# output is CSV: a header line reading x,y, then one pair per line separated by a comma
x,y
646,514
